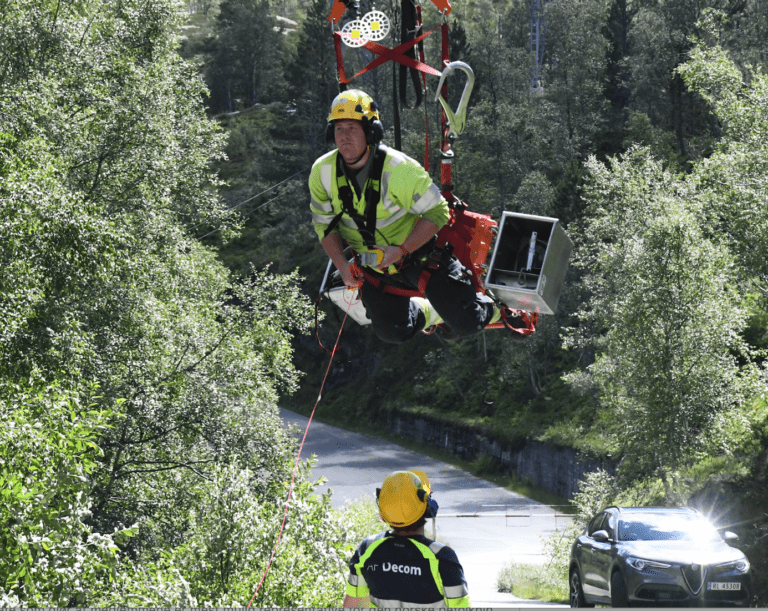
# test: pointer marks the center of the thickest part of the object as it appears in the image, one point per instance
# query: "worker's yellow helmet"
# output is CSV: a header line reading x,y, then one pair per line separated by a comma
x,y
353,104
359,106
404,498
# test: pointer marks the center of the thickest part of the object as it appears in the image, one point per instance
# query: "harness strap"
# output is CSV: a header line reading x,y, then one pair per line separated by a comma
x,y
366,225
423,279
390,288
410,25
388,285
424,83
529,320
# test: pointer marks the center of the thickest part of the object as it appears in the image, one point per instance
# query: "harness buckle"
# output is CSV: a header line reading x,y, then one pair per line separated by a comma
x,y
371,258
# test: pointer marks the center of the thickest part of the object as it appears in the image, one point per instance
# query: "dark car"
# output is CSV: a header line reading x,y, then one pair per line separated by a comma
x,y
656,557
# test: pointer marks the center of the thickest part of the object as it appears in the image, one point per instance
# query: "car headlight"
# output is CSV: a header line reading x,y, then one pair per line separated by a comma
x,y
737,566
640,564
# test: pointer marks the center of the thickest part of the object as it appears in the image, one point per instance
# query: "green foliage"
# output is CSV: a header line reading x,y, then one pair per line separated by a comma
x,y
312,79
48,453
485,465
576,74
360,519
533,582
733,180
245,44
106,177
228,545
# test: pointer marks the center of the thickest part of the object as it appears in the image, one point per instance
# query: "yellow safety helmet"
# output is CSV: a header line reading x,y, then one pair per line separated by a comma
x,y
359,106
353,104
404,498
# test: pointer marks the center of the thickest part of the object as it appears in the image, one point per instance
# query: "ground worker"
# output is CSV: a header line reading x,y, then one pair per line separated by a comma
x,y
385,206
401,567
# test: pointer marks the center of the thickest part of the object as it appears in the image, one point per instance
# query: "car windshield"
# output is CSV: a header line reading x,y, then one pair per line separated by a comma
x,y
666,527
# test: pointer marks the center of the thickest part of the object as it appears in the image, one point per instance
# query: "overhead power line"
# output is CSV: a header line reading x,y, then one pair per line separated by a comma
x,y
267,190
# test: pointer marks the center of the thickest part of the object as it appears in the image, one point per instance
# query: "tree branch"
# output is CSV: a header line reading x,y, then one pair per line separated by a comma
x,y
171,468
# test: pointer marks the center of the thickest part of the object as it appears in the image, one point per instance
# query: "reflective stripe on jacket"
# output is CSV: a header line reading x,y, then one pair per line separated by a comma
x,y
407,194
396,571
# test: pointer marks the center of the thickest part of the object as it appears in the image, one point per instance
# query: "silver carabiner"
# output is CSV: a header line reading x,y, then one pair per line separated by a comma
x,y
458,120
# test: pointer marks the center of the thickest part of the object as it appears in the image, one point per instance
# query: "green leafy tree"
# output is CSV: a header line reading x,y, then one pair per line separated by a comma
x,y
733,179
226,553
246,57
745,34
105,179
48,451
659,39
312,79
663,293
496,151
576,76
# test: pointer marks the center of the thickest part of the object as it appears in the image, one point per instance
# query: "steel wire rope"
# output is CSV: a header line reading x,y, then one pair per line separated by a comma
x,y
267,190
298,457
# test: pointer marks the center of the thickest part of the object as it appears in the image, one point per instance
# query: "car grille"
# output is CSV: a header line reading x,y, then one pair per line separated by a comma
x,y
662,592
694,576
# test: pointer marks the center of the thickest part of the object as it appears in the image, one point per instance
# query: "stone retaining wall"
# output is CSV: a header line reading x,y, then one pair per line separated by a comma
x,y
555,469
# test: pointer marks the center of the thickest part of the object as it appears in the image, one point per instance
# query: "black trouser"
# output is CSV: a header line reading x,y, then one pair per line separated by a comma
x,y
449,290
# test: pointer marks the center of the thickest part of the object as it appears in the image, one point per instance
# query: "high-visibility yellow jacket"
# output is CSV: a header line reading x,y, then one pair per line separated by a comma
x,y
406,194
397,571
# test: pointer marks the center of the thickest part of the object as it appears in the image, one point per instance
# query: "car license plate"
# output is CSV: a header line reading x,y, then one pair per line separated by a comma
x,y
723,585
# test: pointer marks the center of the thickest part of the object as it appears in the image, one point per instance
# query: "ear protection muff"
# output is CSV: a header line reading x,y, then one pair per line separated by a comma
x,y
374,129
432,505
432,508
330,137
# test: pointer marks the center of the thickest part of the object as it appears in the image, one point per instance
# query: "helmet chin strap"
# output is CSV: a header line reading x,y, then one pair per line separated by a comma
x,y
349,164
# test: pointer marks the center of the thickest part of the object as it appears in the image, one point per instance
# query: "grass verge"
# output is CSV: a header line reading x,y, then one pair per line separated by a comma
x,y
533,582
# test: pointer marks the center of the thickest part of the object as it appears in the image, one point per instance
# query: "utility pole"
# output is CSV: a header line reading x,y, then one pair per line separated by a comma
x,y
538,38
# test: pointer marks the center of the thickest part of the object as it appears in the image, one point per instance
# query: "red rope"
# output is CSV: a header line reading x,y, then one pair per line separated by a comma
x,y
296,464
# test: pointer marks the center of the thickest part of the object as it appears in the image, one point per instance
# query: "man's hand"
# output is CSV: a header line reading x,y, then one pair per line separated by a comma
x,y
352,275
350,602
392,255
422,232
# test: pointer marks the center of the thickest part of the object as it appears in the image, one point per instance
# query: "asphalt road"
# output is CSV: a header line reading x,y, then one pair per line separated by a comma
x,y
507,526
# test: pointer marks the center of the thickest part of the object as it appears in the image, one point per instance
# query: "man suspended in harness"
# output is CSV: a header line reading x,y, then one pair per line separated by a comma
x,y
385,206
402,567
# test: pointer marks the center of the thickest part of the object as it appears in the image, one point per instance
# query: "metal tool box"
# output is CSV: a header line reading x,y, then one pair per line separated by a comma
x,y
529,262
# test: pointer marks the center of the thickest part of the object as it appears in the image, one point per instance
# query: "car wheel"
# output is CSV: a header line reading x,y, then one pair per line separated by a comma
x,y
619,596
577,594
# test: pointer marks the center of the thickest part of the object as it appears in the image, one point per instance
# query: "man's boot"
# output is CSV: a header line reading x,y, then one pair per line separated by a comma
x,y
430,314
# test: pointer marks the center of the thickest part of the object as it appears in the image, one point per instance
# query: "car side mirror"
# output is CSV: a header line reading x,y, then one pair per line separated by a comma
x,y
601,536
730,537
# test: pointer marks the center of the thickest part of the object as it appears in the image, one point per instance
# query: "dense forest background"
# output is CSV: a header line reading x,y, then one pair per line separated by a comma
x,y
159,268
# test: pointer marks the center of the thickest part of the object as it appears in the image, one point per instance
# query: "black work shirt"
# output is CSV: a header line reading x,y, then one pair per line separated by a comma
x,y
397,571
